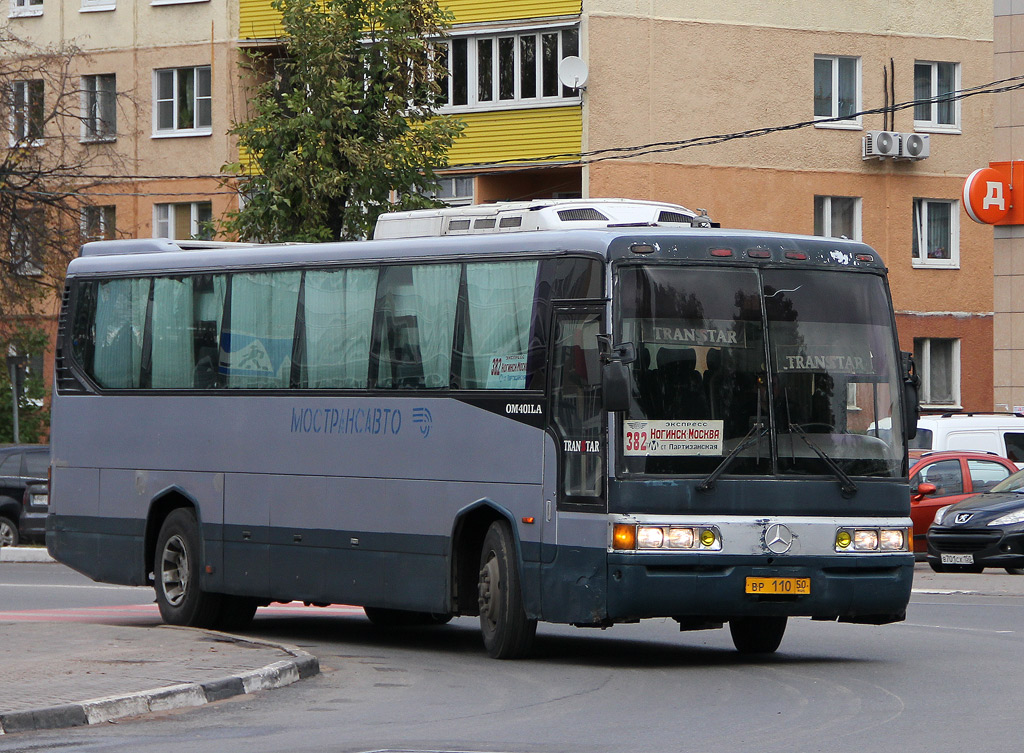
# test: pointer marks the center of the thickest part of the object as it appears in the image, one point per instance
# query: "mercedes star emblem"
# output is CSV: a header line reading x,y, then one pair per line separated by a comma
x,y
778,538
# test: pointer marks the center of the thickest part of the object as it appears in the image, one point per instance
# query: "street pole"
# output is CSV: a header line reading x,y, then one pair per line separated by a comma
x,y
13,362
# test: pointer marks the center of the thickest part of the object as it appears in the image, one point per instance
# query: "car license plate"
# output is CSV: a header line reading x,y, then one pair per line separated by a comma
x,y
957,559
784,586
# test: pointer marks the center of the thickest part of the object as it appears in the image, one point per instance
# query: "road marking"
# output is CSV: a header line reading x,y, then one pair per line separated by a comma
x,y
944,591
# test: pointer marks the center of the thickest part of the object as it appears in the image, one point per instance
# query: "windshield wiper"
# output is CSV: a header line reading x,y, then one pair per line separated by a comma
x,y
709,483
845,482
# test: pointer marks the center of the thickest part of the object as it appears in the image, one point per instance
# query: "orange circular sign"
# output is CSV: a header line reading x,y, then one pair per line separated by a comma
x,y
987,195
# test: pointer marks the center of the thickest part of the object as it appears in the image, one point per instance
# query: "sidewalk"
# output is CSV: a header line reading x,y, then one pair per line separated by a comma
x,y
63,674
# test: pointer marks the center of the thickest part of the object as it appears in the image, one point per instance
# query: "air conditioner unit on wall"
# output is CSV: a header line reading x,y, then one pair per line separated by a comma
x,y
915,145
881,144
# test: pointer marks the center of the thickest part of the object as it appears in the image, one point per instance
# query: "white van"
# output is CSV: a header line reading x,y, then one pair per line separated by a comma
x,y
1001,433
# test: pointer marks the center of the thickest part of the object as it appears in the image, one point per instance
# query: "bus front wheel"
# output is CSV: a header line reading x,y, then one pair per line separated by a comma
x,y
176,569
757,635
508,632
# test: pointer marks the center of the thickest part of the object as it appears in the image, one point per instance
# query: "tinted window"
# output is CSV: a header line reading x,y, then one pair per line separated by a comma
x,y
985,474
1014,446
37,464
945,474
11,465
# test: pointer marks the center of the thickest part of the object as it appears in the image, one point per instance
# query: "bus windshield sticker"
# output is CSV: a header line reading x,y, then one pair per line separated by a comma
x,y
507,372
662,438
804,359
703,332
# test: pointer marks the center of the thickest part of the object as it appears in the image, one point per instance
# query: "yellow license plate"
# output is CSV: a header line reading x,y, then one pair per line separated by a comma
x,y
779,586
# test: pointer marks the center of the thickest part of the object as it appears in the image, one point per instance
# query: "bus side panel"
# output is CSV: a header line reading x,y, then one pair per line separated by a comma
x,y
575,585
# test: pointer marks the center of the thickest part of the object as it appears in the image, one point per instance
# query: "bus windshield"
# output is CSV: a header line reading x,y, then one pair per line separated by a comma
x,y
786,371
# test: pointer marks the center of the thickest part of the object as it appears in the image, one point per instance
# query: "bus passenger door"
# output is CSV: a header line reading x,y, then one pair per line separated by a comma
x,y
577,419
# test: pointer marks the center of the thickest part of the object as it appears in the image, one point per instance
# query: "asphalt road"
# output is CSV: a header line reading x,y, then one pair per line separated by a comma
x,y
946,679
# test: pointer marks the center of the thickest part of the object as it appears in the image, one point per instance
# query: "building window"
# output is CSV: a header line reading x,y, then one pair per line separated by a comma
x,y
938,364
88,5
837,91
98,223
837,217
27,114
26,8
455,192
508,70
936,233
26,243
935,85
99,107
183,101
185,221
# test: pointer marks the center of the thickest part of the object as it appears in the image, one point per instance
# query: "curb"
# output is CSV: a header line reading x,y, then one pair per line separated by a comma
x,y
99,710
24,554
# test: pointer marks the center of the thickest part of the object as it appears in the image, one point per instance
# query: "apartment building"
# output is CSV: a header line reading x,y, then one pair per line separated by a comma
x,y
759,113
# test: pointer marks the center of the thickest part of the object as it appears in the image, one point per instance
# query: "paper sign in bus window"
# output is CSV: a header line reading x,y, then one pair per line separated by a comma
x,y
672,438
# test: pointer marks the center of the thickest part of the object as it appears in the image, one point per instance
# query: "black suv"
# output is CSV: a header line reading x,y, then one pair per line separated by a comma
x,y
20,466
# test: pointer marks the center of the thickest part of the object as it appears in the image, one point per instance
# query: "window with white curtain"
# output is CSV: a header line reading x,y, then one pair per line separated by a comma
x,y
414,327
27,113
257,341
119,329
938,364
935,84
337,316
99,107
183,221
837,91
936,233
837,217
499,309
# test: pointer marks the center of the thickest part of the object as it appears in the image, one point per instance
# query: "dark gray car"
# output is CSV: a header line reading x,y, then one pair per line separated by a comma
x,y
20,466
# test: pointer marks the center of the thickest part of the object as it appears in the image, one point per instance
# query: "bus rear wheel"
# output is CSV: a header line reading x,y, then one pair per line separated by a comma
x,y
508,633
757,635
176,568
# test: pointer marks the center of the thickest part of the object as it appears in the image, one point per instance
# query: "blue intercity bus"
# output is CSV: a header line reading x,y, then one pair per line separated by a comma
x,y
587,412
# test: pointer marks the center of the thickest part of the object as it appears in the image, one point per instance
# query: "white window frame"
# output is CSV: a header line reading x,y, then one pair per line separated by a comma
x,y
90,6
920,218
24,266
164,216
932,124
25,8
22,104
174,131
91,96
922,349
105,214
474,104
451,190
827,121
826,219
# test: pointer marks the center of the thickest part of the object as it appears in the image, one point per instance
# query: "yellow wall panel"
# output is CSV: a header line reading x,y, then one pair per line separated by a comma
x,y
475,11
257,20
526,136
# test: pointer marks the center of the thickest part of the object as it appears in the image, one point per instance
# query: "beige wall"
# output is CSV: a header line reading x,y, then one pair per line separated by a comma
x,y
1009,240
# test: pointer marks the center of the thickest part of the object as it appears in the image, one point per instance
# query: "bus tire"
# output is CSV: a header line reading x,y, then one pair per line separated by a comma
x,y
398,618
757,635
508,633
176,573
236,612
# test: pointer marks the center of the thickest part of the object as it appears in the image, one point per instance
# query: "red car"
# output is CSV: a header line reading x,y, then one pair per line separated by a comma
x,y
938,479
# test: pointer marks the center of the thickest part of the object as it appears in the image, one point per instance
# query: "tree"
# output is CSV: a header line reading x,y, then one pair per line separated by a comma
x,y
45,171
345,124
33,413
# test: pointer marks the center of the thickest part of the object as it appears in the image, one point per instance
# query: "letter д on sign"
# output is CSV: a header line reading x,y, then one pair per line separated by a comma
x,y
994,195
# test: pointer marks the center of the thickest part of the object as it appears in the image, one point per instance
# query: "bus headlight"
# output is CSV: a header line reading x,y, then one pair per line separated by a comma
x,y
872,540
626,537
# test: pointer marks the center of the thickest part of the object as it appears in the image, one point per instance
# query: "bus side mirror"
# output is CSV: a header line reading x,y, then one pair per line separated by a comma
x,y
911,399
616,385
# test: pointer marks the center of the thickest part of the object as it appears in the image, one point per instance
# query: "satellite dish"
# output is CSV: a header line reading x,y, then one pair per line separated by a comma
x,y
572,72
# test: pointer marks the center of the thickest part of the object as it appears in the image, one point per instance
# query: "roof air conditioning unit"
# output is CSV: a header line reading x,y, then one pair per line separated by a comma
x,y
914,145
881,144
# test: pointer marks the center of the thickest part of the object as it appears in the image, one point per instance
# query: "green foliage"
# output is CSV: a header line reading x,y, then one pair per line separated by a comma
x,y
346,121
33,414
